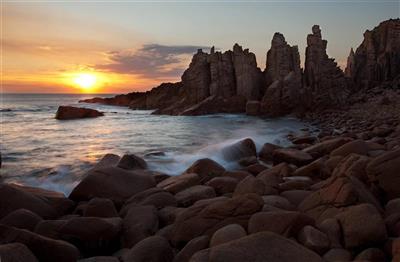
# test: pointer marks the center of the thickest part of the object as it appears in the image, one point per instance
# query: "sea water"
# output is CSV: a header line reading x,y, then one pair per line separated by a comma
x,y
38,150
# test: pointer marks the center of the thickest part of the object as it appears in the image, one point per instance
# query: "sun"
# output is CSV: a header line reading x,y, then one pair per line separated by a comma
x,y
85,81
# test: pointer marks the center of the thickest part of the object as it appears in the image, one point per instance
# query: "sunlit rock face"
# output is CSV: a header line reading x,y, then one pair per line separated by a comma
x,y
377,59
324,81
224,82
196,79
249,79
283,78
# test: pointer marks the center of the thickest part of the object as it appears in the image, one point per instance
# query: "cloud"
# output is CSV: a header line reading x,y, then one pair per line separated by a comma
x,y
151,60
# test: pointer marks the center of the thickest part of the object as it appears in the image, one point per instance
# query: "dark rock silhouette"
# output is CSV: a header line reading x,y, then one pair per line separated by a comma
x,y
283,77
324,81
225,82
377,59
70,112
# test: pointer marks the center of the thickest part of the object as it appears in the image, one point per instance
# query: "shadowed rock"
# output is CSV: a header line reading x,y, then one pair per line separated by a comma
x,y
70,112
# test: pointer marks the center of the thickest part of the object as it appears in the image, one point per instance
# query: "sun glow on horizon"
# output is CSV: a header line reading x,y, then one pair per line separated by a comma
x,y
85,81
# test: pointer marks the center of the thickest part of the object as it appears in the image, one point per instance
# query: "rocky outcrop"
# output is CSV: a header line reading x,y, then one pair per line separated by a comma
x,y
249,80
377,59
231,82
283,77
324,81
70,112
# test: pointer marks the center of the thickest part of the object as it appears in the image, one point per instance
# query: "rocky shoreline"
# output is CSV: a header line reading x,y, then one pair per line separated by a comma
x,y
330,197
334,196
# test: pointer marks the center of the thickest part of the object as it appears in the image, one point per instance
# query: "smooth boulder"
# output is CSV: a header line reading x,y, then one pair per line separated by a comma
x,y
206,169
70,112
16,252
113,183
13,198
242,149
227,233
45,249
362,225
151,249
384,171
263,246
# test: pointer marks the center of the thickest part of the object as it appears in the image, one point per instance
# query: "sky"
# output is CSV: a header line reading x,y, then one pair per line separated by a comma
x,y
123,46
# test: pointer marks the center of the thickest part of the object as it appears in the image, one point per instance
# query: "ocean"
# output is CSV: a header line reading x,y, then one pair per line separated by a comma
x,y
38,150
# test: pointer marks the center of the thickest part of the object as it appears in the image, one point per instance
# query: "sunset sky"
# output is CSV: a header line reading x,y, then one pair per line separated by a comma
x,y
123,46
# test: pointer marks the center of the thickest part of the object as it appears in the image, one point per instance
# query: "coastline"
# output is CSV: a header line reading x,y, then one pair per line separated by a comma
x,y
331,196
292,197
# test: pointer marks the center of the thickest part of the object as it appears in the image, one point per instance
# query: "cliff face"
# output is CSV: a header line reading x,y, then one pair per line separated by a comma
x,y
283,78
324,81
377,59
219,82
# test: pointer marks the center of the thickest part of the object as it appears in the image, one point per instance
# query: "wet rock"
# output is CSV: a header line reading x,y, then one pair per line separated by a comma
x,y
206,169
267,150
226,234
107,160
151,249
252,248
239,150
69,112
16,252
100,207
113,183
174,184
45,249
192,194
131,161
139,223
286,223
357,230
22,219
248,161
314,239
